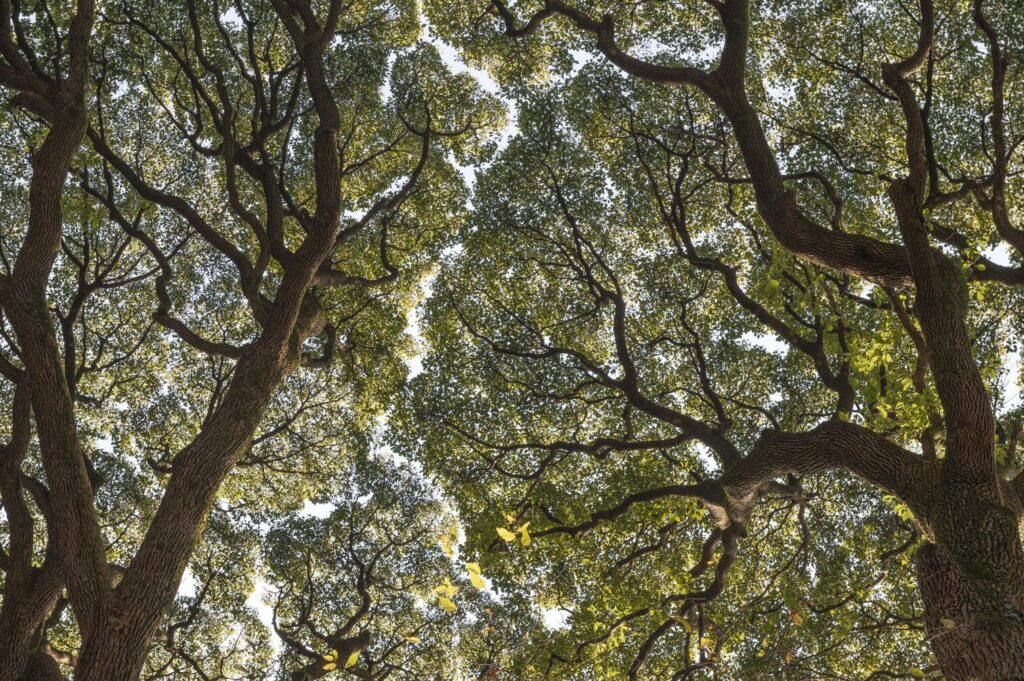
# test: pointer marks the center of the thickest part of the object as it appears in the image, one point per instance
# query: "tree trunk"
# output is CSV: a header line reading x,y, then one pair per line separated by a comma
x,y
42,667
20,622
15,641
119,657
972,584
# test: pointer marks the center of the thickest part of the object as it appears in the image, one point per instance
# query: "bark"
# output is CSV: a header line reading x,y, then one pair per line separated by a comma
x,y
882,263
877,261
832,445
971,569
42,667
22,617
976,634
971,574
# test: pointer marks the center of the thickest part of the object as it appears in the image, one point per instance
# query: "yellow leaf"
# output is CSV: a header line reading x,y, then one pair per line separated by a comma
x,y
705,641
473,568
505,534
413,639
330,666
686,624
525,534
447,604
331,656
798,619
476,581
352,659
789,656
509,517
448,541
919,673
446,588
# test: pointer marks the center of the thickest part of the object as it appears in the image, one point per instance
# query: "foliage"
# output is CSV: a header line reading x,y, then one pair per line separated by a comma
x,y
489,340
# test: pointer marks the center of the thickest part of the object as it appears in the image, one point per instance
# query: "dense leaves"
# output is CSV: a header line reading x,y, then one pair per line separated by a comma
x,y
532,339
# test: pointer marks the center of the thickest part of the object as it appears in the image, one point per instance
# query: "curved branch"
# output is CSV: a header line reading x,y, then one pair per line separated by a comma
x,y
831,445
708,491
604,32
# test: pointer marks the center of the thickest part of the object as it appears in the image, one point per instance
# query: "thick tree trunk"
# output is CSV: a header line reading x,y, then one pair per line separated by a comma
x,y
21,618
974,636
972,584
15,641
119,656
42,667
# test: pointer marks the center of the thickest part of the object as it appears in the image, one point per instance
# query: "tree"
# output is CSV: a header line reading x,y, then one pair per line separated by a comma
x,y
693,186
718,341
220,198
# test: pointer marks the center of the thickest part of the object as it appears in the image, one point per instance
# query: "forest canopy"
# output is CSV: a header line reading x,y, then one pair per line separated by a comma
x,y
511,339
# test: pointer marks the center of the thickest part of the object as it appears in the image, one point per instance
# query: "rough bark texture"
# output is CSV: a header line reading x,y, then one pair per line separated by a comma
x,y
41,667
977,633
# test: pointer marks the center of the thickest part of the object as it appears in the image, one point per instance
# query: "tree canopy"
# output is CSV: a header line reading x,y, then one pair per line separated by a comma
x,y
529,339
